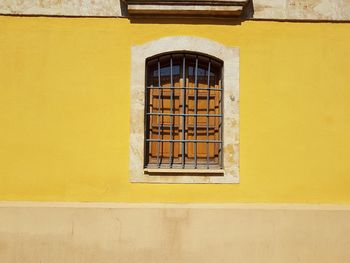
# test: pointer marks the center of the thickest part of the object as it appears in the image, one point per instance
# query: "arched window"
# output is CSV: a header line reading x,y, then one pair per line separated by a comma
x,y
183,112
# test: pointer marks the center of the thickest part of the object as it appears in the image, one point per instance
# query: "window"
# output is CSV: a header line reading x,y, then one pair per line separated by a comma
x,y
184,116
183,112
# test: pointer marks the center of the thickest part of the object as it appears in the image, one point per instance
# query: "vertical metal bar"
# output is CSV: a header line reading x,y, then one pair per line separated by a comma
x,y
171,112
208,105
183,109
147,120
221,145
158,117
195,111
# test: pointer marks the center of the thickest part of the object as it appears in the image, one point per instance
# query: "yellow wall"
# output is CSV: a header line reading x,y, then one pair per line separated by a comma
x,y
64,111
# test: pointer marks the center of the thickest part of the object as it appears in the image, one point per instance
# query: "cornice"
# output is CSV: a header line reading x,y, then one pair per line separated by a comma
x,y
183,8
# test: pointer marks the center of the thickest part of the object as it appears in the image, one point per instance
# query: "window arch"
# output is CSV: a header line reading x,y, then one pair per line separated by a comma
x,y
183,111
223,163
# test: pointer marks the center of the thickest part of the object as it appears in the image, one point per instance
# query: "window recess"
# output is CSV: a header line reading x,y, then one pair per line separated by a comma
x,y
184,113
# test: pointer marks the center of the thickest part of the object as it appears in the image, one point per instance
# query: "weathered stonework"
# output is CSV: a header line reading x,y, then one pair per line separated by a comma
x,y
331,10
230,57
61,7
302,9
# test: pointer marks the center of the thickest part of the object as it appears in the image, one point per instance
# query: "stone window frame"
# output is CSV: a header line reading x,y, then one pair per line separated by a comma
x,y
230,58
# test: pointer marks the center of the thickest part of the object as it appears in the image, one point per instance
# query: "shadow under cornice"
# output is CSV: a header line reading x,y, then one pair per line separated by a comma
x,y
192,20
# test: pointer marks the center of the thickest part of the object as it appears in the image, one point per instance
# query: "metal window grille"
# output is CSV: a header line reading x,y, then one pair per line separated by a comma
x,y
183,112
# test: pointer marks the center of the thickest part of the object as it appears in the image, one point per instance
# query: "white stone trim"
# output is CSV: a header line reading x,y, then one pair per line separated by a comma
x,y
311,10
230,57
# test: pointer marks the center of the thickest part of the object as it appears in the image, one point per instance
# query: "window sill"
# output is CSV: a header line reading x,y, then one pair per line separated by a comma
x,y
186,172
184,176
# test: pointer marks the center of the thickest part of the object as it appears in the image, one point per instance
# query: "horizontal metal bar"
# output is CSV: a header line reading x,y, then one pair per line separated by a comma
x,y
181,114
183,171
194,88
204,141
177,126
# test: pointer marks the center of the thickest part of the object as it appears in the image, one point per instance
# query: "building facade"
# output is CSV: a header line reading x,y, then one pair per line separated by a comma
x,y
251,162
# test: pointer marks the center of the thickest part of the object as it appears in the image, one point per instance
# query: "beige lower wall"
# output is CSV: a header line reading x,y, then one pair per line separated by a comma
x,y
43,232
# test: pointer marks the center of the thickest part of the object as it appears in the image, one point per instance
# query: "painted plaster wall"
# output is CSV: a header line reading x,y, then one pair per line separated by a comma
x,y
138,233
64,111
